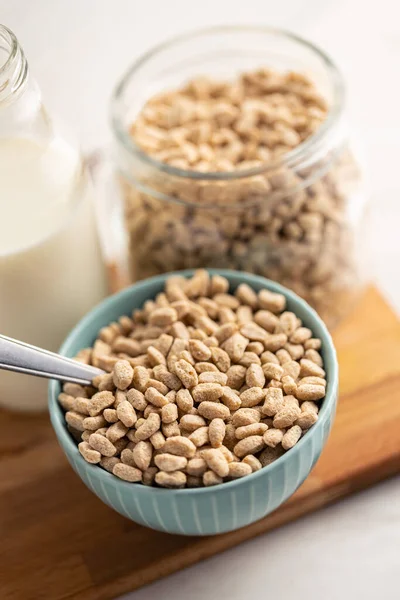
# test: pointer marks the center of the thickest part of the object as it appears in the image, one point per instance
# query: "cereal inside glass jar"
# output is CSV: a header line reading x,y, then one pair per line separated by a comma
x,y
248,167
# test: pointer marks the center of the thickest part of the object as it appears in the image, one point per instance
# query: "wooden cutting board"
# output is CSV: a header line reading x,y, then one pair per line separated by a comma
x,y
59,541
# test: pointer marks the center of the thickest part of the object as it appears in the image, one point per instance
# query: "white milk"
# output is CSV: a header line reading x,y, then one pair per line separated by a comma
x,y
51,269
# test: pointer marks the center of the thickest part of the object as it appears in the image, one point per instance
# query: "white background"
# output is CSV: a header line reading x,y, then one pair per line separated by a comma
x,y
77,50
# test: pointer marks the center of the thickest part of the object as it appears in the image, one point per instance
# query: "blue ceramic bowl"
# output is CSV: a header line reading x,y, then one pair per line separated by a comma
x,y
217,509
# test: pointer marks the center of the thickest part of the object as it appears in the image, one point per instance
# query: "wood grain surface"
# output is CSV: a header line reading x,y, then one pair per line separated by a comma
x,y
58,541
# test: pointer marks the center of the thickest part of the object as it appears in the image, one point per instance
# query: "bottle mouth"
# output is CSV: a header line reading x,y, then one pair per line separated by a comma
x,y
13,65
293,159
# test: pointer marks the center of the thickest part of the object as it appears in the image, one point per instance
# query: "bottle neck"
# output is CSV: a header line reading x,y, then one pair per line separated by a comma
x,y
21,110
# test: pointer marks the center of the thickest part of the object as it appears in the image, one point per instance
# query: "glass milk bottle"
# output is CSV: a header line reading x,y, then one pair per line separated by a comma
x,y
51,269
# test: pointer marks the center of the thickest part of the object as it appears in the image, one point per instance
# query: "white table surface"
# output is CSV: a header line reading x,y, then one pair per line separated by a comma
x,y
77,50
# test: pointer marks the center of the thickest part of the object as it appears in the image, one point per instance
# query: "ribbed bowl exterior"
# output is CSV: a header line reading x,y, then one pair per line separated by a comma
x,y
204,511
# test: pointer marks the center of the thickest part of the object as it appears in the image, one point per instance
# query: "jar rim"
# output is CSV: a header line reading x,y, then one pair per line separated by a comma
x,y
11,39
290,159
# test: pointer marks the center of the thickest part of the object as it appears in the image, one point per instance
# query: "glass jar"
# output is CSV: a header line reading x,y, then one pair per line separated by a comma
x,y
297,220
51,269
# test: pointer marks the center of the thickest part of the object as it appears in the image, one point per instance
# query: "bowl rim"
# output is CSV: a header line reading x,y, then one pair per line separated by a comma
x,y
70,447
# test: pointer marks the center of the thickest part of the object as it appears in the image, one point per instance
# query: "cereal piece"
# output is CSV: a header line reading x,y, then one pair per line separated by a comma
x,y
199,437
274,341
255,376
251,397
210,306
149,475
308,391
216,432
122,375
273,402
253,332
219,285
155,398
255,347
75,390
292,369
245,416
236,376
157,440
127,457
75,420
186,373
271,301
267,320
253,462
287,415
313,381
216,461
127,346
142,454
230,399
199,350
170,429
287,323
269,357
192,422
102,444
196,466
244,314
235,346
211,478
209,392
108,462
314,356
137,399
99,402
66,401
249,358
193,482
110,415
184,400
89,454
158,385
163,317
309,368
249,445
116,431
127,473
155,356
239,469
225,331
180,446
252,429
221,359
140,378
213,377
269,455
150,426
170,380
81,405
306,419
273,437
179,330
291,437
289,385
207,324
230,438
312,344
94,423
296,351
126,413
247,295
169,413
300,335
213,410
170,462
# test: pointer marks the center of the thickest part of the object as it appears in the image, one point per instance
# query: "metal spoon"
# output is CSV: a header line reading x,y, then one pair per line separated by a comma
x,y
24,358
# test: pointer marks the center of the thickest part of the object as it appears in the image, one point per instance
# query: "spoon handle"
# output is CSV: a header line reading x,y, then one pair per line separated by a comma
x,y
24,358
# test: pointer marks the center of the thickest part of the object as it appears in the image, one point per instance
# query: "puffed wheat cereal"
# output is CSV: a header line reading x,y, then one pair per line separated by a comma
x,y
203,386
